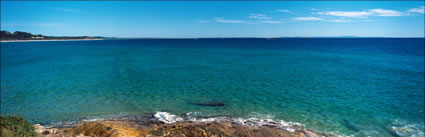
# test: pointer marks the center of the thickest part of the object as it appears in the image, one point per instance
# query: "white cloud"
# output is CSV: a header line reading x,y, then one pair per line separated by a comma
x,y
345,21
363,14
68,10
272,22
384,12
203,21
418,10
258,16
339,20
308,18
353,14
284,11
222,20
314,9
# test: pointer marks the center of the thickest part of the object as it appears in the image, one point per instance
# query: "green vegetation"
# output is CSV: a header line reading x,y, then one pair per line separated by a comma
x,y
18,35
11,126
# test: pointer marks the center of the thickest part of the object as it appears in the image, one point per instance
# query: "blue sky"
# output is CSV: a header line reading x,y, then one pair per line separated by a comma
x,y
192,19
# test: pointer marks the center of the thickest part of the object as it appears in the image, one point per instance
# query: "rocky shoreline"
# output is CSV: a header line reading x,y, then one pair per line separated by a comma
x,y
155,128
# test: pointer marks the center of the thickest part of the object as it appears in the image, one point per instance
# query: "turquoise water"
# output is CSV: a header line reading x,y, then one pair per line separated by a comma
x,y
352,86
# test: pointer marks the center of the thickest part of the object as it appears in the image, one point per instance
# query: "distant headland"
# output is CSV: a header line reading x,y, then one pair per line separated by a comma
x,y
16,36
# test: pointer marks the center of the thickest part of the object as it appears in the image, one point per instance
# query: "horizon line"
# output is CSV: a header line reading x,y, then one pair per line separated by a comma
x,y
342,36
255,37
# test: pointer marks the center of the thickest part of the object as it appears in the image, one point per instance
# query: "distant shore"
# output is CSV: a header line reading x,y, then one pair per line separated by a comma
x,y
46,40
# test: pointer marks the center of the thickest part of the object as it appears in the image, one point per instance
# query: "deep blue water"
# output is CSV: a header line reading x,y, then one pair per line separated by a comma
x,y
344,86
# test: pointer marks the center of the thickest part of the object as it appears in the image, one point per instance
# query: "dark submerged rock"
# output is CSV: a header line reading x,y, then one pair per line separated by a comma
x,y
391,132
351,125
210,104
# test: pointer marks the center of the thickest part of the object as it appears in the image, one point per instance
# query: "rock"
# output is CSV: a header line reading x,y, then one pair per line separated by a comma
x,y
82,135
45,132
178,129
38,128
106,129
48,132
210,104
312,134
204,133
301,134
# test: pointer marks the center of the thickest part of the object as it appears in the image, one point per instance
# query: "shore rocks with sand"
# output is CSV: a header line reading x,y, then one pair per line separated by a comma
x,y
159,129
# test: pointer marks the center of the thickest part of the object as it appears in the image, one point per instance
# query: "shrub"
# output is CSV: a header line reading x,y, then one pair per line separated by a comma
x,y
11,126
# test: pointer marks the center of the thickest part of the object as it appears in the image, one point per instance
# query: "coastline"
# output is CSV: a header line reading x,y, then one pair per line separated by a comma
x,y
48,40
165,124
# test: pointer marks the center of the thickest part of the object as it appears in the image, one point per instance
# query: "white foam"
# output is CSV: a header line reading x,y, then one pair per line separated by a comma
x,y
405,129
167,117
93,120
264,120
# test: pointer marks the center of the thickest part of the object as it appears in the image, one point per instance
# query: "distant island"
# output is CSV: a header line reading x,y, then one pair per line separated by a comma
x,y
25,36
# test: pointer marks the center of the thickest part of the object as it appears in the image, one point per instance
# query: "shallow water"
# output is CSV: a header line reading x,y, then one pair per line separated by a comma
x,y
355,86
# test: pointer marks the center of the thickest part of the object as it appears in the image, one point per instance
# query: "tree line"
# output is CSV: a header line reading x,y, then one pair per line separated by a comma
x,y
19,35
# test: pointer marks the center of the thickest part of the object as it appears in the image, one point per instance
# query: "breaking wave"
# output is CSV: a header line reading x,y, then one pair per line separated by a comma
x,y
404,129
253,121
398,127
167,117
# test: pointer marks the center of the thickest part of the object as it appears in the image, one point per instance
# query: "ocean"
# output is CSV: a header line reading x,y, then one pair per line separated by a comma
x,y
336,86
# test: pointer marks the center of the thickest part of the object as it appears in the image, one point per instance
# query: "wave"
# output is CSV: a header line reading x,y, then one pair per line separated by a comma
x,y
254,120
404,129
398,127
167,117
265,121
